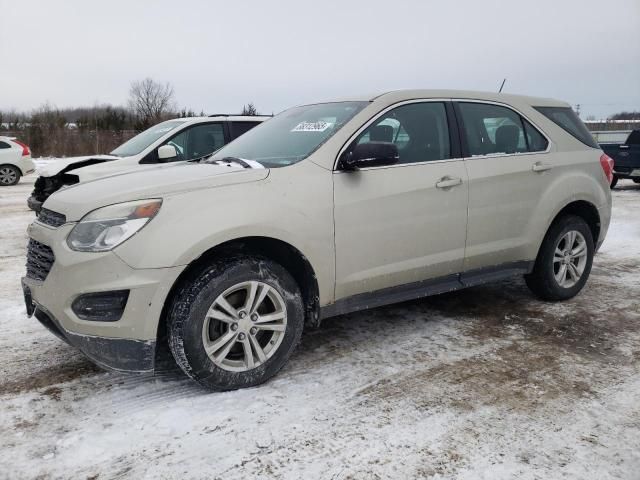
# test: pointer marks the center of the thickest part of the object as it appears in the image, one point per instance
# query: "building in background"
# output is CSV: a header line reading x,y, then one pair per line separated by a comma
x,y
611,131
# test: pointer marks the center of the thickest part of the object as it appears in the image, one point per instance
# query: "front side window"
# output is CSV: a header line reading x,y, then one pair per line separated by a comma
x,y
493,129
292,135
204,140
141,141
419,130
195,142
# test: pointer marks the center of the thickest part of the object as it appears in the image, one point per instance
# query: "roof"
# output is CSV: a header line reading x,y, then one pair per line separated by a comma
x,y
400,95
232,118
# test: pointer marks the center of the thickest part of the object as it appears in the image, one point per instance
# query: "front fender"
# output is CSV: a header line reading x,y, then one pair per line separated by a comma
x,y
293,205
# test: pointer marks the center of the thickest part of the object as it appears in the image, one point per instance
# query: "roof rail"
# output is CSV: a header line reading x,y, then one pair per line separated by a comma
x,y
236,115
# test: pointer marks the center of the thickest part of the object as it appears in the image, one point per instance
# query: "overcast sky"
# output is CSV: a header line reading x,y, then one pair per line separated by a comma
x,y
219,55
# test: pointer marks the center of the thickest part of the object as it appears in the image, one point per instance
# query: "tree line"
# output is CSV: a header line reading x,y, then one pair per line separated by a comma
x,y
52,131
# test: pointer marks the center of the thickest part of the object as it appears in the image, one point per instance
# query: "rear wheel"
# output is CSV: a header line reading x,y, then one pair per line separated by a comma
x,y
9,175
564,261
236,324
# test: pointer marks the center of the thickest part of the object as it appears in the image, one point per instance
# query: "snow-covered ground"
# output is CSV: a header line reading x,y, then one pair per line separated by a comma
x,y
487,383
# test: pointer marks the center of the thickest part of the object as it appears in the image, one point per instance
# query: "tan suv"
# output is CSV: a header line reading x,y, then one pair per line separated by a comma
x,y
323,210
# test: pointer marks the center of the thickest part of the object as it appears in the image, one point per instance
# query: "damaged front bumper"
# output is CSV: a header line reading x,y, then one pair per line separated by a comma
x,y
34,204
119,354
117,335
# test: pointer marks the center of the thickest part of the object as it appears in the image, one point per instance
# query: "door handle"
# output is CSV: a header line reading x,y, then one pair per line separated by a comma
x,y
541,167
448,182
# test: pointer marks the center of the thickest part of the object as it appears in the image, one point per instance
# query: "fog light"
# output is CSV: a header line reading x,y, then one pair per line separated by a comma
x,y
101,306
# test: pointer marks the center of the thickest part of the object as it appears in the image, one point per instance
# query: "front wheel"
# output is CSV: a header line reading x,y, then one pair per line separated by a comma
x,y
564,260
636,180
614,182
236,324
9,175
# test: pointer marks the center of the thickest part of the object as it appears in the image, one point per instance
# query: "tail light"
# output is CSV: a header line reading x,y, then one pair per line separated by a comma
x,y
25,148
607,166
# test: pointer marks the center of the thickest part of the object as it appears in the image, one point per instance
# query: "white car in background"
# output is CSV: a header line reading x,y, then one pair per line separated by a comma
x,y
170,141
15,161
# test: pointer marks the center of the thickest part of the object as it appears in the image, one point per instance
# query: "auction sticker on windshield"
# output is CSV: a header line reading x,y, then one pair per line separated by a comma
x,y
319,126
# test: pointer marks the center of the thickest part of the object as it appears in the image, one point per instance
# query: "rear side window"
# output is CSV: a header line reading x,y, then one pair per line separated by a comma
x,y
240,128
492,129
567,119
535,140
4,145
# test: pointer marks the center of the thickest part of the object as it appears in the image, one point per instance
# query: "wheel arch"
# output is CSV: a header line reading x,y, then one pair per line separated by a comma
x,y
14,166
585,210
281,252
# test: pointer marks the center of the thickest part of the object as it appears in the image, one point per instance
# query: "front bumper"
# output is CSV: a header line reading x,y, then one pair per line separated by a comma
x,y
127,344
117,354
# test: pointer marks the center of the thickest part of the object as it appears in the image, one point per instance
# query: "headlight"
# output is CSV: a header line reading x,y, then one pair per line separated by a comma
x,y
107,227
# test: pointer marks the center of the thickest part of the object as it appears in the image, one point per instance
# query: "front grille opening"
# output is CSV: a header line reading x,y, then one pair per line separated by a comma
x,y
40,259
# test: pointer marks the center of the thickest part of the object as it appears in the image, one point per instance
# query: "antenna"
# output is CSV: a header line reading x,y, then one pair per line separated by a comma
x,y
501,86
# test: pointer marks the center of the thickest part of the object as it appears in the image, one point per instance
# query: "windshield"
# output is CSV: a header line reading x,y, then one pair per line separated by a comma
x,y
141,141
292,135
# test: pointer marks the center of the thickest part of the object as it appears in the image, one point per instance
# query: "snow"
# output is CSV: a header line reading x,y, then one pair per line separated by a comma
x,y
486,383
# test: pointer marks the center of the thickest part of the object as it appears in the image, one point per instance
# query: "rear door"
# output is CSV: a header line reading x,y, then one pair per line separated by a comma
x,y
404,223
509,167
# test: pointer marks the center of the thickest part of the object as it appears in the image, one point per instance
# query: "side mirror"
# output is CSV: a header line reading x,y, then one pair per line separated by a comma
x,y
370,154
167,152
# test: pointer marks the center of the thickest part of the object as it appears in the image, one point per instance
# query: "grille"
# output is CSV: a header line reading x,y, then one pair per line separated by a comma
x,y
39,260
51,218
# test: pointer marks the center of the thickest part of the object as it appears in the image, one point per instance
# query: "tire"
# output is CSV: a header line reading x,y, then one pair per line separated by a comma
x,y
192,331
9,175
636,180
543,281
614,182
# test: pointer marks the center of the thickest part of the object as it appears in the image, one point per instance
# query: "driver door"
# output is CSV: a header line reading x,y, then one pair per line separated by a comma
x,y
405,223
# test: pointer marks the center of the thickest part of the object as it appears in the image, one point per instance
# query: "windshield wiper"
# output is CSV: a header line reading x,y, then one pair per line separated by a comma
x,y
239,161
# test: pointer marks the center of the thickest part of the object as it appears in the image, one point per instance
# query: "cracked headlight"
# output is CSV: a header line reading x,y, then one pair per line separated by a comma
x,y
107,227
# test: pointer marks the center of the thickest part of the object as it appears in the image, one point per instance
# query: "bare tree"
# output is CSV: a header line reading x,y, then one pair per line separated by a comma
x,y
151,101
249,109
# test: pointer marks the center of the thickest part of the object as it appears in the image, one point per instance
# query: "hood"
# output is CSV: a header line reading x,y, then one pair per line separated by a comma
x,y
66,164
155,182
106,168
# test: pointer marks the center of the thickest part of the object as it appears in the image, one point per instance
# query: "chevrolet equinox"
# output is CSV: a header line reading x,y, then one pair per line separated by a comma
x,y
326,209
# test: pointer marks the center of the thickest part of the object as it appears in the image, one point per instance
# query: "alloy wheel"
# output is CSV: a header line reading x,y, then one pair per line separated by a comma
x,y
244,326
7,176
570,259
